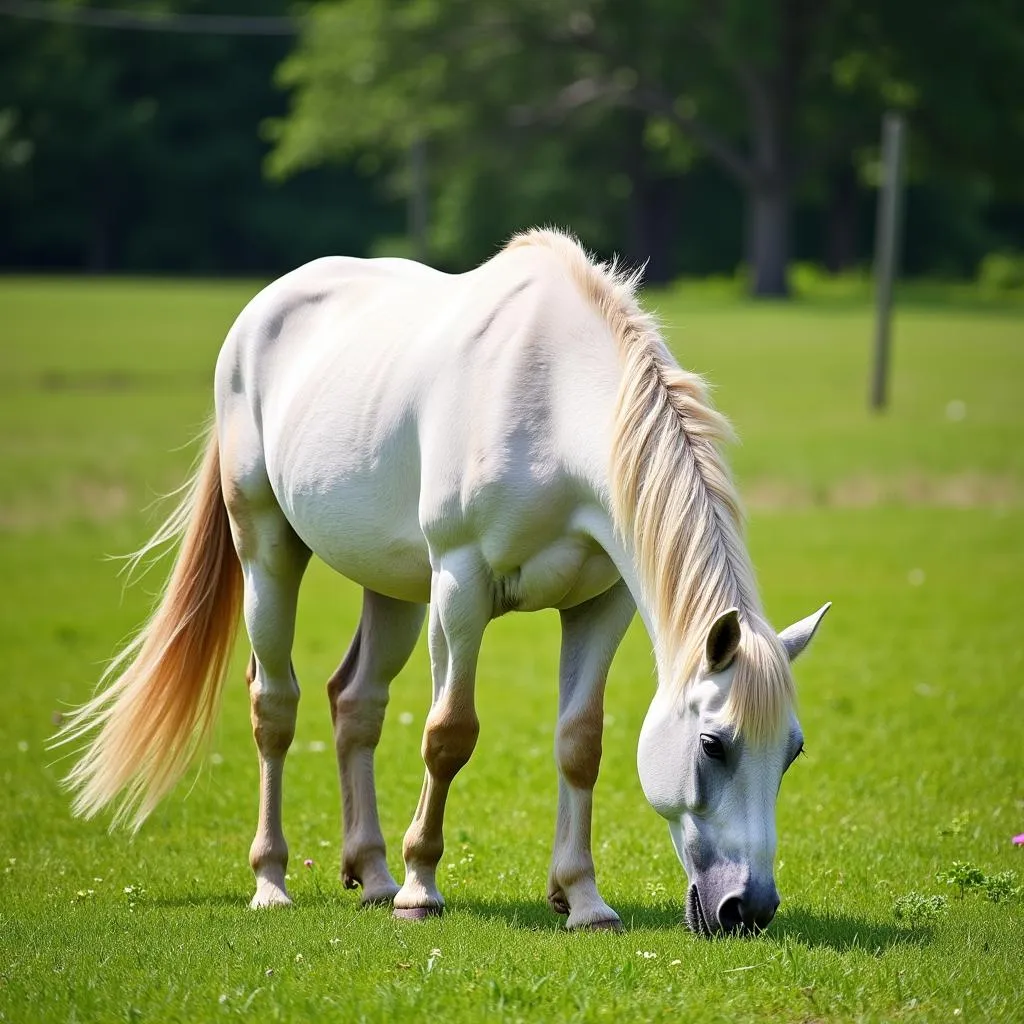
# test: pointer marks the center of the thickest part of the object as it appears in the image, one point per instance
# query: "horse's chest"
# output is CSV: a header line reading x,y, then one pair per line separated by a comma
x,y
561,575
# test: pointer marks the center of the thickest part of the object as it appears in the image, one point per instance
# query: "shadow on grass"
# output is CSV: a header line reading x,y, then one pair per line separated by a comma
x,y
529,915
837,931
198,899
537,915
842,932
815,929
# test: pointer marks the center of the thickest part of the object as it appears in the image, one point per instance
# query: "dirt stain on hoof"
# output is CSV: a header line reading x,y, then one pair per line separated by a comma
x,y
598,926
416,913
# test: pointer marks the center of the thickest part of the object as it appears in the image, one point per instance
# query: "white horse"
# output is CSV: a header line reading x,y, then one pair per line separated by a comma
x,y
513,438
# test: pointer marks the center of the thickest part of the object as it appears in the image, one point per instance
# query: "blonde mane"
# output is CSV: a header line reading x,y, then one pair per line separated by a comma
x,y
673,498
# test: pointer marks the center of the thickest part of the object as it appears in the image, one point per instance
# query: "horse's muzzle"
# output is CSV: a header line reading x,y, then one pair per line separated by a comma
x,y
741,914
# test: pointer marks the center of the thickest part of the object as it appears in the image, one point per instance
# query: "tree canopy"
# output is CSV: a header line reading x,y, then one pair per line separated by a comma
x,y
693,135
779,98
144,150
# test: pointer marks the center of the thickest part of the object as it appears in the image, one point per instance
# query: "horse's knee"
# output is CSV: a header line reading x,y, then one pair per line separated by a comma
x,y
578,748
449,740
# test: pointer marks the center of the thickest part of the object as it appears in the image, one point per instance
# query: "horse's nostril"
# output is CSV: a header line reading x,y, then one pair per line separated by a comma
x,y
746,916
731,914
764,914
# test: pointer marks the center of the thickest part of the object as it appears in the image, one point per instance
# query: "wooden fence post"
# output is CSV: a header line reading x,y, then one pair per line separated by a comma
x,y
887,239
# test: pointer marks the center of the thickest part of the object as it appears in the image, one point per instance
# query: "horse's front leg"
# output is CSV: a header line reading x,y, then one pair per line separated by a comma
x,y
460,608
591,633
358,692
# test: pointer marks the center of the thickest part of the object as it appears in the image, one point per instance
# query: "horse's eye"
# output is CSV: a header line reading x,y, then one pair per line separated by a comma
x,y
712,746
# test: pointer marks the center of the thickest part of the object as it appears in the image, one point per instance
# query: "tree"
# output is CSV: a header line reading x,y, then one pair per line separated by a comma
x,y
655,127
143,150
774,94
727,78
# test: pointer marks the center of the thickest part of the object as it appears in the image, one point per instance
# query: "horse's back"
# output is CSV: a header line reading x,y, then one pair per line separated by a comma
x,y
398,408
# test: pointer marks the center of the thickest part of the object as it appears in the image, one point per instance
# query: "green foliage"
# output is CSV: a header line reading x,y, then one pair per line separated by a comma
x,y
647,126
104,381
997,888
957,826
783,101
144,151
918,910
1001,272
963,875
1003,886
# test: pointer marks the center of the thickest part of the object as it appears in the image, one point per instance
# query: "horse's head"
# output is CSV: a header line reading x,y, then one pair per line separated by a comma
x,y
717,788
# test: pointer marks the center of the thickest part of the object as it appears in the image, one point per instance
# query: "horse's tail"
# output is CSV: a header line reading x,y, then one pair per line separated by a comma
x,y
166,683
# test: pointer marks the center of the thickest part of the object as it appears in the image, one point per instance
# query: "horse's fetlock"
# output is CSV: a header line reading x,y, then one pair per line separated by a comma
x,y
567,872
268,851
420,848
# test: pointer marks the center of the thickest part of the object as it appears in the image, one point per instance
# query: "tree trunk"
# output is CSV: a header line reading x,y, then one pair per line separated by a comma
x,y
768,239
651,207
652,217
97,252
841,220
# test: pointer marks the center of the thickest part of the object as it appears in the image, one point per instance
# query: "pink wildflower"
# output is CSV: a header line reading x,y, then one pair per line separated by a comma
x,y
308,862
1019,840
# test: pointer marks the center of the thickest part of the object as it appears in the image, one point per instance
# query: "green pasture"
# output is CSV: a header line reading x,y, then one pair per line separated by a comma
x,y
912,700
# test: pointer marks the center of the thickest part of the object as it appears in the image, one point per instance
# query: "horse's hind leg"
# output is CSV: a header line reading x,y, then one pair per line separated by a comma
x,y
358,692
273,561
591,633
460,608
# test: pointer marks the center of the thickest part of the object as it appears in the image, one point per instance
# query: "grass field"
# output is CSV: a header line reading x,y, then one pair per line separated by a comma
x,y
912,523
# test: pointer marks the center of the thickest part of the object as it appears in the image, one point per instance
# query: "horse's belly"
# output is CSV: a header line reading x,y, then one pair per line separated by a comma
x,y
365,534
388,566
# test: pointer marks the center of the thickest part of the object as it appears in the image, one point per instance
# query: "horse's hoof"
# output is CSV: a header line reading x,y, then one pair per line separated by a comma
x,y
604,924
268,897
381,898
416,913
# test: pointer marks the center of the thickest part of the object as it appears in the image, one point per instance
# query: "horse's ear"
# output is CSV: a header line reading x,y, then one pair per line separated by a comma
x,y
723,641
796,637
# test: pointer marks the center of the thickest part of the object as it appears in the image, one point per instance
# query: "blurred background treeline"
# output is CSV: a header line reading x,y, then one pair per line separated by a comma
x,y
702,136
